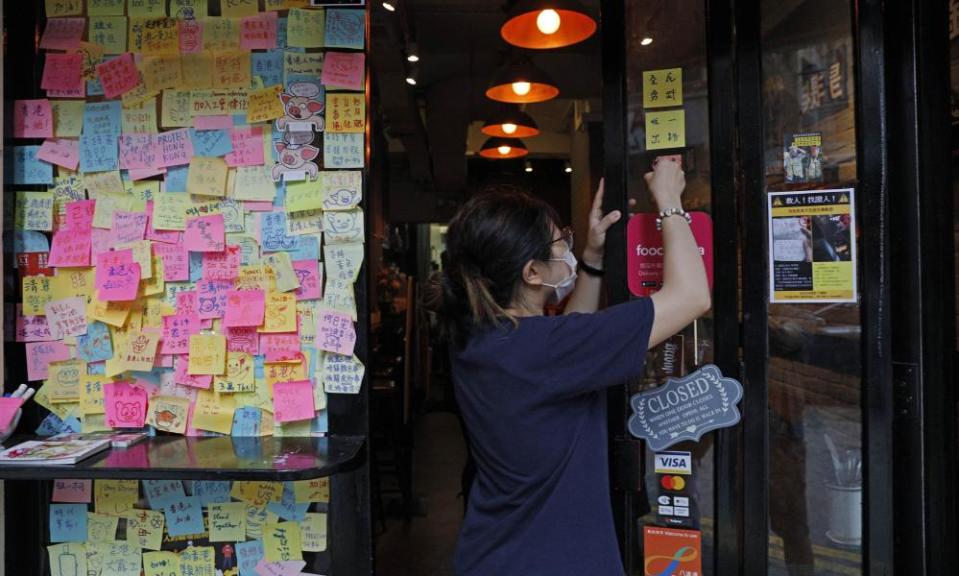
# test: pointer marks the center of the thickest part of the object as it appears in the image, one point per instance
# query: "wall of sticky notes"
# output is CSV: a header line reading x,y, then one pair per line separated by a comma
x,y
184,201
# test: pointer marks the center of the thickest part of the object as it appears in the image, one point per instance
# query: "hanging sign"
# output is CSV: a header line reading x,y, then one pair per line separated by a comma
x,y
685,408
644,253
812,246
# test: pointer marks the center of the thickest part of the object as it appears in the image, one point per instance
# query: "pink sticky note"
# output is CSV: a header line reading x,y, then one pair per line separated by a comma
x,y
32,119
281,347
63,72
63,33
165,236
34,328
177,330
205,234
117,276
222,265
191,35
176,147
61,152
242,339
70,248
258,32
119,75
72,491
186,303
283,568
128,226
254,206
8,409
40,355
176,261
125,405
213,122
244,308
311,280
139,151
247,147
293,401
76,92
180,375
335,333
343,70
211,297
143,173
79,215
67,316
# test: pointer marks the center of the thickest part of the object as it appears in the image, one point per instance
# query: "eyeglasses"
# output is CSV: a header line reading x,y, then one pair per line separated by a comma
x,y
566,235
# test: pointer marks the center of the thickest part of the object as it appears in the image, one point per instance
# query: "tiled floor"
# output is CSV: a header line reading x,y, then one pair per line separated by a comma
x,y
425,546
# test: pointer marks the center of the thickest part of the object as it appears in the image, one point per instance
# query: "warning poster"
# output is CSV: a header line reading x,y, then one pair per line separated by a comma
x,y
812,246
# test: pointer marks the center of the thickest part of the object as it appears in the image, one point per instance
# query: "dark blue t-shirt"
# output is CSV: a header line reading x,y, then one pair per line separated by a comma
x,y
534,403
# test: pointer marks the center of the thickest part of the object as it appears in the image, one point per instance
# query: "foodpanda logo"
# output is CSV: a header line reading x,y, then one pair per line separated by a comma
x,y
658,250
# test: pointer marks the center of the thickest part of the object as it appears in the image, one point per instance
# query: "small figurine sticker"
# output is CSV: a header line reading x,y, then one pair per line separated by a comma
x,y
303,111
295,159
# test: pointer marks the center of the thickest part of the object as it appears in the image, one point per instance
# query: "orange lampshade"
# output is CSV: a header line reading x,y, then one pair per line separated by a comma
x,y
511,124
521,82
503,149
545,24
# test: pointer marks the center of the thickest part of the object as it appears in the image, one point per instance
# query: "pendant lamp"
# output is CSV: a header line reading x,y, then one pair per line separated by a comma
x,y
521,82
545,24
503,149
511,123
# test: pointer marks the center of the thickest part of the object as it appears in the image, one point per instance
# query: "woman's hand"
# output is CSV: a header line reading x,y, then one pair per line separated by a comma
x,y
24,393
666,182
598,225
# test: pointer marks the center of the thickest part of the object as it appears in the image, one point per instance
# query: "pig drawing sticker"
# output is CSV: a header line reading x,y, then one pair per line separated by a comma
x,y
295,159
303,112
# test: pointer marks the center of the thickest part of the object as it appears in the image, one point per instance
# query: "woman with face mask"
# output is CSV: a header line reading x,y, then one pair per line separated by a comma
x,y
531,388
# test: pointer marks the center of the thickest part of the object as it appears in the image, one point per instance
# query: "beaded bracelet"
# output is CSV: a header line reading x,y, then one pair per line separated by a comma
x,y
663,214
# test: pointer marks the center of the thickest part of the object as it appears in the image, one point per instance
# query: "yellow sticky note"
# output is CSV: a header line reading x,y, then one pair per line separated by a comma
x,y
665,129
42,397
285,4
114,497
64,380
72,282
345,112
34,211
221,34
257,493
153,286
146,7
176,109
304,28
107,204
265,104
57,8
235,8
145,528
231,69
111,313
100,184
207,354
304,195
110,32
227,522
282,372
168,413
213,413
67,118
161,72
197,70
197,560
663,88
256,517
316,490
141,255
313,532
238,376
140,351
36,293
254,183
140,118
138,95
154,35
91,392
284,275
169,211
280,313
105,7
189,9
101,527
281,541
92,56
207,176
161,563
67,559
252,277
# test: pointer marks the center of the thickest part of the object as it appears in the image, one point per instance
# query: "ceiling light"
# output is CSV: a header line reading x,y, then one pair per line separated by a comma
x,y
646,41
521,81
511,123
544,24
412,52
503,149
390,6
413,76
568,169
529,166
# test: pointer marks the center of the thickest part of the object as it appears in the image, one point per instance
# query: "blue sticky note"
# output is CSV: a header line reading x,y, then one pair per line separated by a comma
x,y
248,555
94,87
163,493
98,153
97,368
279,200
320,424
196,266
184,517
211,491
268,66
211,142
50,425
344,28
71,425
273,236
258,363
30,241
289,511
307,248
102,118
95,345
282,42
68,522
28,169
175,179
246,421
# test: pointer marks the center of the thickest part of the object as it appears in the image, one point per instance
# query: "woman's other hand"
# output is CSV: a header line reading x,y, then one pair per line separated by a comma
x,y
598,225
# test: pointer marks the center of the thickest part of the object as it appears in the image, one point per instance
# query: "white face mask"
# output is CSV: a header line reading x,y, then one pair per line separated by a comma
x,y
564,287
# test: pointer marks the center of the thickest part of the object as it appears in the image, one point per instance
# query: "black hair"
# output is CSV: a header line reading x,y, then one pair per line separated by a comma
x,y
488,243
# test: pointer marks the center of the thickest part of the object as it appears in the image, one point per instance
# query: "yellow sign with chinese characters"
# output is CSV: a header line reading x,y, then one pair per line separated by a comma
x,y
663,88
665,129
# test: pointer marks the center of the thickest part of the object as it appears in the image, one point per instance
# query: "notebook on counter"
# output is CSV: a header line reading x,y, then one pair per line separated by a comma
x,y
53,452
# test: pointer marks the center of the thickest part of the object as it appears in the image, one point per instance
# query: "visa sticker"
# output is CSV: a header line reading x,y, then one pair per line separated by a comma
x,y
674,463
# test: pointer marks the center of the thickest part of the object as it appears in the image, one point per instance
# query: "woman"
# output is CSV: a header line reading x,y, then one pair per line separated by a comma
x,y
530,387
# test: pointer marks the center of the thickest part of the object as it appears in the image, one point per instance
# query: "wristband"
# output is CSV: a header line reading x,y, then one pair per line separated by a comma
x,y
663,214
590,270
